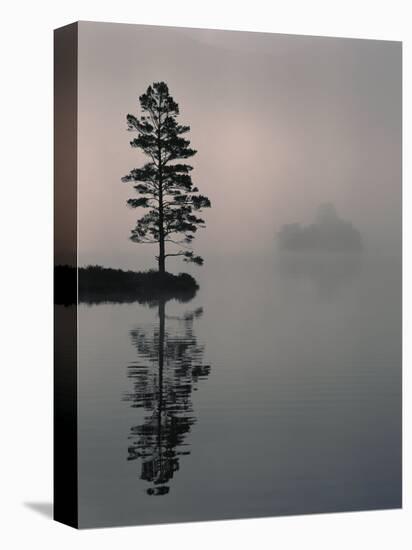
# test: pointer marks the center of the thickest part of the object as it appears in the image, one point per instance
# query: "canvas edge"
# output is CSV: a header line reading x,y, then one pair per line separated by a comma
x,y
65,447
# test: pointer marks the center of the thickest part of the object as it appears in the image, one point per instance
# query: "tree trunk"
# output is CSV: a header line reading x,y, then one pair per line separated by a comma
x,y
162,256
161,220
161,236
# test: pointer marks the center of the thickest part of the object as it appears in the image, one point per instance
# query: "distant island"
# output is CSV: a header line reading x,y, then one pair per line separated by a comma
x,y
329,233
97,284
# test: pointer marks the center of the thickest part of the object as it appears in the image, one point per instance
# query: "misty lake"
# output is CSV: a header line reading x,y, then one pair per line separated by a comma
x,y
275,390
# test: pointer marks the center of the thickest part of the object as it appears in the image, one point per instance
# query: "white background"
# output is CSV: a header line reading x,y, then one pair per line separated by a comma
x,y
26,274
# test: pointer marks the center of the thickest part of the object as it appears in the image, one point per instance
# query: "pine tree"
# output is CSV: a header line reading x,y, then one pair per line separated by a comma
x,y
165,186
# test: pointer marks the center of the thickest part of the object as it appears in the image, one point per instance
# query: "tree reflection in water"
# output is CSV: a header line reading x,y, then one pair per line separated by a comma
x,y
169,368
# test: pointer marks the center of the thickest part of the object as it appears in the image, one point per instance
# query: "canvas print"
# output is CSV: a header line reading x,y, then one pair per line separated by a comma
x,y
227,275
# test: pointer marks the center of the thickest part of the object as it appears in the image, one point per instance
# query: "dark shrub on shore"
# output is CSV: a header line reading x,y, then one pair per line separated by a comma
x,y
100,284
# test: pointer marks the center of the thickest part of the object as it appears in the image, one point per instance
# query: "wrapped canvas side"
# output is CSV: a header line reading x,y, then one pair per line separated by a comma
x,y
65,277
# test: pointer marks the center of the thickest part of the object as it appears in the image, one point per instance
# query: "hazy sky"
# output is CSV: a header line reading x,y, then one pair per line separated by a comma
x,y
281,124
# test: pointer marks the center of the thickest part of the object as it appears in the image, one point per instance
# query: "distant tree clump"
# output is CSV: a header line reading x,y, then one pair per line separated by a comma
x,y
164,185
329,233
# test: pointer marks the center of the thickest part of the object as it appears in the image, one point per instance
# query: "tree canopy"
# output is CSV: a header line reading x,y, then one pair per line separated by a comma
x,y
164,184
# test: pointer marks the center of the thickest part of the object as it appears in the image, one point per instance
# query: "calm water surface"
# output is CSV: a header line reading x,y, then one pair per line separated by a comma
x,y
275,390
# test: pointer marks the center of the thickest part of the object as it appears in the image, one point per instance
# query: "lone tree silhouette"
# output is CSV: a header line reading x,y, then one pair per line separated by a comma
x,y
165,186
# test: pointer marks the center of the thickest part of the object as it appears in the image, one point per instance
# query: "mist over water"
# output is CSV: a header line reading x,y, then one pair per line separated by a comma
x,y
297,408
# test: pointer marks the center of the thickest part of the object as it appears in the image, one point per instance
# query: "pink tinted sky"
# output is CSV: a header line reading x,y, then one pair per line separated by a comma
x,y
281,124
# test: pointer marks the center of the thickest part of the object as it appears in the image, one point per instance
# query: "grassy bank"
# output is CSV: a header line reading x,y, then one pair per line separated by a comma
x,y
100,284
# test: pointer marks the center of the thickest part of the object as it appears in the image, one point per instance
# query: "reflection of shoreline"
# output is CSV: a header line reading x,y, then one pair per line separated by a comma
x,y
162,386
327,271
120,297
